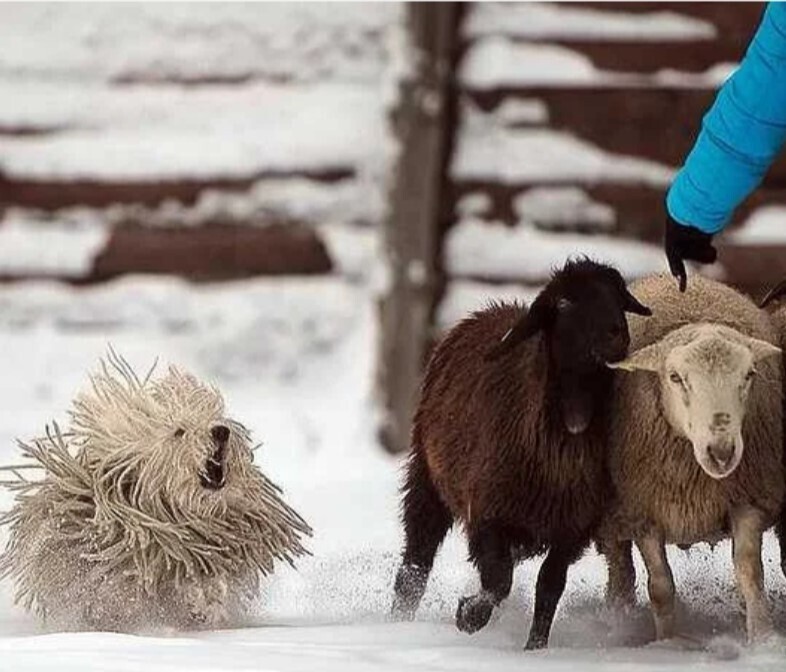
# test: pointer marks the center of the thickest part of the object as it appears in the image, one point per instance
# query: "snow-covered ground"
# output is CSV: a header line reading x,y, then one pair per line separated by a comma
x,y
295,360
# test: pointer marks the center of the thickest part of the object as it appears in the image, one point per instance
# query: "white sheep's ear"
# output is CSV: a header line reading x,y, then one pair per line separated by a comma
x,y
762,349
645,359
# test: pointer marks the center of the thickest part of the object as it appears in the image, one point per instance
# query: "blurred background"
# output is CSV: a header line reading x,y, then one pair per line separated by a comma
x,y
295,199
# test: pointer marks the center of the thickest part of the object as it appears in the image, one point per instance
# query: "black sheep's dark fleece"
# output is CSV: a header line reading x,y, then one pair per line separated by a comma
x,y
509,439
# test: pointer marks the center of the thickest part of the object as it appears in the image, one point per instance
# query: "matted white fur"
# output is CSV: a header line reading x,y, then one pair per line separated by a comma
x,y
129,529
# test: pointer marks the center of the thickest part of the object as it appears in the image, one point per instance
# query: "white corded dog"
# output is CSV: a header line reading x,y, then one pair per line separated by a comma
x,y
150,513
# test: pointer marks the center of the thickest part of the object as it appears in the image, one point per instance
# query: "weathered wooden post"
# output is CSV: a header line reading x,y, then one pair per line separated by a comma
x,y
423,127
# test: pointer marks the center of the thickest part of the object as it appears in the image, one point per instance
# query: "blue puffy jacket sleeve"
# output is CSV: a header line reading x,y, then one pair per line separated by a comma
x,y
741,135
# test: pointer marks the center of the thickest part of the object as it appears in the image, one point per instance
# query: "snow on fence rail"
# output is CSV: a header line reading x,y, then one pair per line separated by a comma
x,y
208,142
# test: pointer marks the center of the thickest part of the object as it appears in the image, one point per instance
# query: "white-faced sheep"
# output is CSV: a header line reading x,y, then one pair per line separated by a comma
x,y
509,439
695,450
775,305
150,511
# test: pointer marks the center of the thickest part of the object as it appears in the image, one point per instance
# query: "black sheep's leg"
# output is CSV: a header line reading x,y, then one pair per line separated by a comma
x,y
548,591
426,522
491,551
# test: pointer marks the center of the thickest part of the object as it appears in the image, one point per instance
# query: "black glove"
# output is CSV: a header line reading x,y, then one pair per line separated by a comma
x,y
685,242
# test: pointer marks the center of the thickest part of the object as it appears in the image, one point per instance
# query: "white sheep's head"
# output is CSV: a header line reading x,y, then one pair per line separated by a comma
x,y
162,446
706,372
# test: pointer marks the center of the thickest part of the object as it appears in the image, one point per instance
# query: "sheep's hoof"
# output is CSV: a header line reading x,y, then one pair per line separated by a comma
x,y
403,609
473,613
535,642
409,588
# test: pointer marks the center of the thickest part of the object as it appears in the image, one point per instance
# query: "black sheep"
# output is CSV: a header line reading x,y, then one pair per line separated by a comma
x,y
509,439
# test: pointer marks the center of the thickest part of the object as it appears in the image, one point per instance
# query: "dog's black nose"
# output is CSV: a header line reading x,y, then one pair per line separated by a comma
x,y
220,433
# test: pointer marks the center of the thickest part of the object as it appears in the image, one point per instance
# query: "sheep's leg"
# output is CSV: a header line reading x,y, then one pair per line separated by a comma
x,y
426,522
780,530
548,591
747,528
491,551
621,585
660,585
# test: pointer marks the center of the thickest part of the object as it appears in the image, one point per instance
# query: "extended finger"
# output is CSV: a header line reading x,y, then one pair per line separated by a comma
x,y
677,267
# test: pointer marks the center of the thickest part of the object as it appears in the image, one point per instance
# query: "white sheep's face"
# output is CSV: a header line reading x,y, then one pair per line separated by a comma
x,y
705,392
706,372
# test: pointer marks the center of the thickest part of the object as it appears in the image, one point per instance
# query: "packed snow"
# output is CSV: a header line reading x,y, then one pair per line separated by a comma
x,y
463,297
475,248
562,207
67,248
764,226
498,61
488,148
515,156
183,42
208,132
553,21
473,204
295,360
519,111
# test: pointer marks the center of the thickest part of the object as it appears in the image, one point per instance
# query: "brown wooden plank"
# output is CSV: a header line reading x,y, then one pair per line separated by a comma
x,y
639,208
52,194
212,252
753,268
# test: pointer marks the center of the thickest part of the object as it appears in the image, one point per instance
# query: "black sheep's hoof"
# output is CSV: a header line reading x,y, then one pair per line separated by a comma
x,y
409,588
402,609
535,643
473,613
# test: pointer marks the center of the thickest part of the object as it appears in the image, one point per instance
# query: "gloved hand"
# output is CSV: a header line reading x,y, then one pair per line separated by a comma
x,y
686,242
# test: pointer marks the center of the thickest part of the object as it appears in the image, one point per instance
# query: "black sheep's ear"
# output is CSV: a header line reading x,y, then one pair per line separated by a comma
x,y
630,304
537,318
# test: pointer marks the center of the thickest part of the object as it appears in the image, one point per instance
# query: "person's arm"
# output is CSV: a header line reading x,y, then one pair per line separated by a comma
x,y
742,134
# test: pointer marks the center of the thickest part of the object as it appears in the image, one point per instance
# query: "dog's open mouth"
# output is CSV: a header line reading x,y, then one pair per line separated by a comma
x,y
213,477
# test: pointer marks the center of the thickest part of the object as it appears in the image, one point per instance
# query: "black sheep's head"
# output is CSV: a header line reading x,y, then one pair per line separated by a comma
x,y
581,314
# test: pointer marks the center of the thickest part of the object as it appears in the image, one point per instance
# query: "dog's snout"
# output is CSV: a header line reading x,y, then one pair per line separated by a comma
x,y
720,421
214,475
220,433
